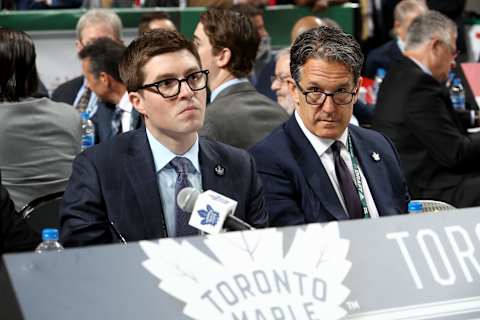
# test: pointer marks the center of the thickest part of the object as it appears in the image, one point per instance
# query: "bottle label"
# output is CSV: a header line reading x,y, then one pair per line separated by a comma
x,y
88,141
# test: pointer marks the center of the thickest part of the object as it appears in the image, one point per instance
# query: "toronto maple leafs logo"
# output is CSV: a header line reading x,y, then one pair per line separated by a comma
x,y
253,277
209,216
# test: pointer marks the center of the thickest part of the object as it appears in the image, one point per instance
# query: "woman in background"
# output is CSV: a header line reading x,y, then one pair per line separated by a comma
x,y
39,138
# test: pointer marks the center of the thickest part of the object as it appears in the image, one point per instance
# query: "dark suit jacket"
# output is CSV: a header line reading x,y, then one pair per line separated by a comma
x,y
15,235
116,181
240,116
298,189
102,119
67,91
382,57
415,111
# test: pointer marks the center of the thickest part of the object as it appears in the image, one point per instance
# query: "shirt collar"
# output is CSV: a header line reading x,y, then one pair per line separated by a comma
x,y
401,44
162,155
320,145
124,103
421,66
225,85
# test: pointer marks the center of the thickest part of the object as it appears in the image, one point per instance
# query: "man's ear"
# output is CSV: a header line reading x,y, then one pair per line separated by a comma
x,y
292,87
78,46
137,102
223,57
358,85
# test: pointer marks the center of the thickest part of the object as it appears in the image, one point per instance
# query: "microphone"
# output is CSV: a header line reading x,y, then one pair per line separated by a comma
x,y
210,211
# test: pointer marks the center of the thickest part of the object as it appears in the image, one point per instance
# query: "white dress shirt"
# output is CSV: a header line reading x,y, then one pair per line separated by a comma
x,y
127,108
324,152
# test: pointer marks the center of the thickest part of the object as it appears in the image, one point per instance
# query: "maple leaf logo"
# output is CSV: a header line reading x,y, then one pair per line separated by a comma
x,y
209,216
253,277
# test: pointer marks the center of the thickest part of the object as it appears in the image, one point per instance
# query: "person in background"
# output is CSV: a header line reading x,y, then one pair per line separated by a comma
x,y
155,20
316,167
280,81
438,156
39,138
129,184
388,53
237,115
100,65
95,23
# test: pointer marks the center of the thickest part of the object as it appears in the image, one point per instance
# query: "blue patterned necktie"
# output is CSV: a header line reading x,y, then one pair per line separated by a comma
x,y
117,121
181,165
345,180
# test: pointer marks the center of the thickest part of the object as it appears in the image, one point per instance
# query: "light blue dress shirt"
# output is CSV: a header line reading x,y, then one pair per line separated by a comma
x,y
167,177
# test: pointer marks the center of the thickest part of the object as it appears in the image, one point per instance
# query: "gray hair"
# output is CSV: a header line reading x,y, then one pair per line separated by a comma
x,y
101,17
406,7
431,24
326,43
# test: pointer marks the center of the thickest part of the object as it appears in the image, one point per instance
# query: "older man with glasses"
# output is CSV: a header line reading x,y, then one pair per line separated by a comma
x,y
126,188
439,157
316,167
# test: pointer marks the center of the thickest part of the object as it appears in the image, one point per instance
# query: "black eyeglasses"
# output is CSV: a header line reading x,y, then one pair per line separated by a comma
x,y
169,88
317,97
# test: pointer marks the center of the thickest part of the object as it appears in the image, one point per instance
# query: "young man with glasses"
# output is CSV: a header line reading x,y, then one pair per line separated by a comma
x,y
316,167
127,187
439,157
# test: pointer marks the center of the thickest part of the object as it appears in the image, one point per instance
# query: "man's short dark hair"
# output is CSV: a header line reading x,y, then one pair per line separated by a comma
x,y
235,31
326,43
249,10
104,55
148,17
18,75
147,46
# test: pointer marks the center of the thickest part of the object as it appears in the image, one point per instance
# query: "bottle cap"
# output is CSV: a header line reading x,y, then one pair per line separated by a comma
x,y
381,72
457,81
415,206
85,115
50,234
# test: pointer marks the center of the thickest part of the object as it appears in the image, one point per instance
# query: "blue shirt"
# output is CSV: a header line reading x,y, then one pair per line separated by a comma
x,y
167,177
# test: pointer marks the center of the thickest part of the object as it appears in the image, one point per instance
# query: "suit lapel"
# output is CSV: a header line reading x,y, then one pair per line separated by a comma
x,y
313,170
209,160
140,169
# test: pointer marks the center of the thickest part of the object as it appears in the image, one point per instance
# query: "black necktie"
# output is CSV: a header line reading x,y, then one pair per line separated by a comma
x,y
349,192
181,165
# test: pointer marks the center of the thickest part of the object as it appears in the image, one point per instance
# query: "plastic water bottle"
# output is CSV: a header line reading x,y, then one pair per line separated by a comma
x,y
457,94
415,207
377,82
49,241
88,131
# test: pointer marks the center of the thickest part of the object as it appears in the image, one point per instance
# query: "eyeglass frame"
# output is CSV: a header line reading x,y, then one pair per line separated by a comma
x,y
156,90
326,95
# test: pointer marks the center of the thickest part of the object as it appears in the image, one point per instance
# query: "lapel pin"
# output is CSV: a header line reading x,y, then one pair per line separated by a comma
x,y
219,170
375,156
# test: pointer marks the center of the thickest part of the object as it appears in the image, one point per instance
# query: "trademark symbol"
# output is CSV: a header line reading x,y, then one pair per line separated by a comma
x,y
353,305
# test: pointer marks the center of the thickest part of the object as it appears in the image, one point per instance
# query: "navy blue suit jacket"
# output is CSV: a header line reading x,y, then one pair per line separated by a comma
x,y
116,181
382,57
298,189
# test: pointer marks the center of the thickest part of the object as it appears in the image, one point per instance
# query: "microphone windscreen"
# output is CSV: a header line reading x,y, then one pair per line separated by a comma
x,y
186,198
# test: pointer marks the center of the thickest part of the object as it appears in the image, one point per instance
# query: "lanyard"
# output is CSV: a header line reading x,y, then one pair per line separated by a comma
x,y
357,179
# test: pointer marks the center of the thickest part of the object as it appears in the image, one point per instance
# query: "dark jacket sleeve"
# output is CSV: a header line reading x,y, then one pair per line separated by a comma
x,y
15,234
83,216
